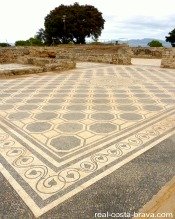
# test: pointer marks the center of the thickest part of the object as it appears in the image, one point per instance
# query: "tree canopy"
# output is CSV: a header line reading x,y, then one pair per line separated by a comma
x,y
73,23
40,35
171,38
5,45
155,43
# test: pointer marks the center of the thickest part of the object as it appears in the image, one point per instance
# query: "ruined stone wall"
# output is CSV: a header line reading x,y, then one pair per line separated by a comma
x,y
148,52
119,58
98,53
84,53
38,66
47,64
43,61
9,55
168,58
120,55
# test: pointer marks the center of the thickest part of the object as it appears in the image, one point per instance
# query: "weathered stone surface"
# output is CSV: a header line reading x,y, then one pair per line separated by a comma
x,y
43,61
148,52
9,55
47,64
18,69
168,59
39,65
42,52
106,54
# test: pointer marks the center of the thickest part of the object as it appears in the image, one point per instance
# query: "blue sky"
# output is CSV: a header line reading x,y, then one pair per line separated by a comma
x,y
125,19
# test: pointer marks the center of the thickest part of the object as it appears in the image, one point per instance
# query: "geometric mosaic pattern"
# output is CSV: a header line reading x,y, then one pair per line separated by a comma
x,y
59,133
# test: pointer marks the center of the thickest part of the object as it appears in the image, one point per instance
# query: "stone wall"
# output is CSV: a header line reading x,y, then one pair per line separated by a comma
x,y
43,61
168,58
9,55
39,65
120,55
47,64
106,54
148,52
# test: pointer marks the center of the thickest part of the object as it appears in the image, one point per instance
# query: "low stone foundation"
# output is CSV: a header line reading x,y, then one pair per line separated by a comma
x,y
44,61
7,70
148,52
95,53
28,65
168,59
119,55
47,64
9,55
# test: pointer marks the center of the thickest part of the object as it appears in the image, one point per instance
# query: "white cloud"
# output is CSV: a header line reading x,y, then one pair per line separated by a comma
x,y
20,19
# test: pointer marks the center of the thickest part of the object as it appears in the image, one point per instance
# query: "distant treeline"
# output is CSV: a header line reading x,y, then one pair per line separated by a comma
x,y
4,45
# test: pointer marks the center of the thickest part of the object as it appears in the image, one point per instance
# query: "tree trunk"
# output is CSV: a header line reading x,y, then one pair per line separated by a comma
x,y
80,40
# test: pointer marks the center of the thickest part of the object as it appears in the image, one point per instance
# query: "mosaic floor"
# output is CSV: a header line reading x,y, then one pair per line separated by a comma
x,y
60,133
14,66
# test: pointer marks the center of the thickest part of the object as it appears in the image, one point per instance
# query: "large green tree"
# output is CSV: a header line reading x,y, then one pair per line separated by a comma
x,y
171,38
73,23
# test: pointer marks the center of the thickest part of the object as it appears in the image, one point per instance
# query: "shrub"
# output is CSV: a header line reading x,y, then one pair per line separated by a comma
x,y
4,45
22,43
155,43
29,42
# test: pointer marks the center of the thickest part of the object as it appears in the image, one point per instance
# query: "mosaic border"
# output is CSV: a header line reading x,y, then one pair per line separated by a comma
x,y
92,166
